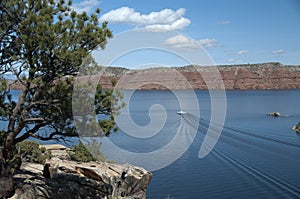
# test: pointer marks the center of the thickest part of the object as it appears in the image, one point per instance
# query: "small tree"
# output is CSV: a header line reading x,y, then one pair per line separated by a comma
x,y
87,152
43,44
31,151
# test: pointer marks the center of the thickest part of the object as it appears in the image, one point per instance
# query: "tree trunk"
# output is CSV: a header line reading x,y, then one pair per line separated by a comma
x,y
6,178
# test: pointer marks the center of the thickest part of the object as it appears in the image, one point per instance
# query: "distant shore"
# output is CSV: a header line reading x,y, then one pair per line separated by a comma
x,y
264,76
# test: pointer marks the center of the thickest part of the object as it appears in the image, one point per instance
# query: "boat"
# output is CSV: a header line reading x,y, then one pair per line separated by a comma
x,y
181,112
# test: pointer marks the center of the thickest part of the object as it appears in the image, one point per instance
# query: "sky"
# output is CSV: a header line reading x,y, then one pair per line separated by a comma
x,y
227,31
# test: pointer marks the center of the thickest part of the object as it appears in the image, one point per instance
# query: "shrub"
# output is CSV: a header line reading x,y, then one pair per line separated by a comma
x,y
87,153
30,151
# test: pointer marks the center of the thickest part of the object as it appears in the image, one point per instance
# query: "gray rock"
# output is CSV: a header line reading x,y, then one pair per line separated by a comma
x,y
297,128
32,167
69,179
57,150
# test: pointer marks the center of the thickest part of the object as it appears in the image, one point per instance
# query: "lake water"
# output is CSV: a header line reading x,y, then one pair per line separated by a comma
x,y
256,155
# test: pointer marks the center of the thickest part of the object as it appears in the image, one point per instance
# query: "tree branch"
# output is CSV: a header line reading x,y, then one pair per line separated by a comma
x,y
17,74
38,119
28,133
53,134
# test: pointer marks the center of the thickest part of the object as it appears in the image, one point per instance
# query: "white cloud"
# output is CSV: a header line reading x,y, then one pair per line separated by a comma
x,y
180,41
164,20
278,52
224,22
242,52
85,6
176,25
233,60
208,43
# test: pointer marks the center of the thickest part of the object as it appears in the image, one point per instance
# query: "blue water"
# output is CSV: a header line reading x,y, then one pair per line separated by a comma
x,y
257,156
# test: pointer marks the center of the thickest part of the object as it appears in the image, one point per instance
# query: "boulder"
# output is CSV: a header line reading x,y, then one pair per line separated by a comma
x,y
32,167
124,180
297,128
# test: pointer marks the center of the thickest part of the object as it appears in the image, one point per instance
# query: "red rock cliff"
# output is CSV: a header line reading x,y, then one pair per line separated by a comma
x,y
248,76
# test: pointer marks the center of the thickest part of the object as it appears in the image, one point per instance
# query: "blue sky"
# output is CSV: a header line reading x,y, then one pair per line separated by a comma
x,y
231,31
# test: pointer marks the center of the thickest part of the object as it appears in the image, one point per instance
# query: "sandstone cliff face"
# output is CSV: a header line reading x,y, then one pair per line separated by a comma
x,y
243,77
60,178
264,76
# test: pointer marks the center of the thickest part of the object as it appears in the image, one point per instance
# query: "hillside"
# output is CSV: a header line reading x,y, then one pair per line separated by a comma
x,y
243,77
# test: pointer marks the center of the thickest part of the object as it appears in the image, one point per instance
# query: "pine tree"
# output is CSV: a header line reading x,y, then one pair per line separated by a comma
x,y
43,44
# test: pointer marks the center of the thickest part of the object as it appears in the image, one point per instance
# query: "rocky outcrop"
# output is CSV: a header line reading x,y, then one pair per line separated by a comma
x,y
60,178
297,128
57,150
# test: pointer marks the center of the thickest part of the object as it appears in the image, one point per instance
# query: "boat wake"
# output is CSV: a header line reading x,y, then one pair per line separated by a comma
x,y
236,146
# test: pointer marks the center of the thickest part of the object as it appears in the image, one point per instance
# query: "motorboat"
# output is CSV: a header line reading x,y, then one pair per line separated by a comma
x,y
181,112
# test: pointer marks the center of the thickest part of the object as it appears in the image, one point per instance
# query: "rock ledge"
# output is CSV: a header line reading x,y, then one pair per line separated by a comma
x,y
59,178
